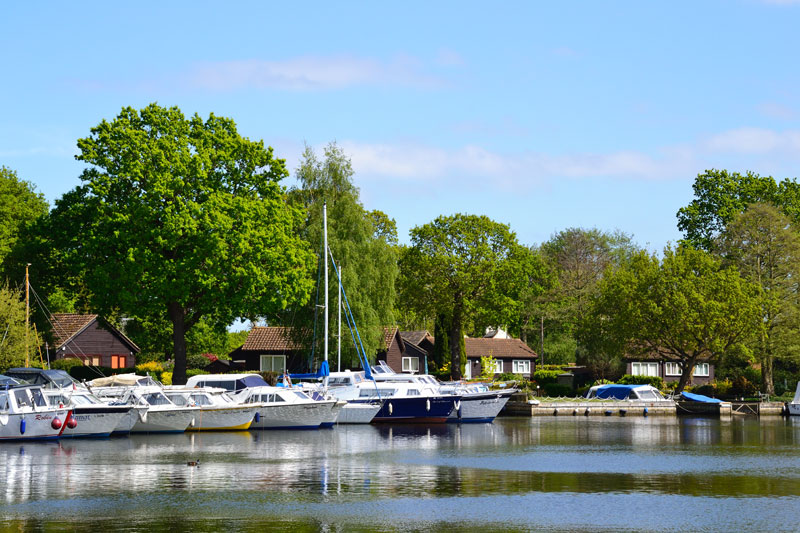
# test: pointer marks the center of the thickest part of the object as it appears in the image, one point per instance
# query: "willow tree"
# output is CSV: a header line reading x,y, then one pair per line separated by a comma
x,y
363,244
183,219
462,267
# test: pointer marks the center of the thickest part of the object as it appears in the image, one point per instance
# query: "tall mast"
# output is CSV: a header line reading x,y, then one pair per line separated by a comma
x,y
27,313
325,258
339,349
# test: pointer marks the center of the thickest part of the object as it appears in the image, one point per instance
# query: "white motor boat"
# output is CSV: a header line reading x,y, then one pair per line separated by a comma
x,y
479,403
162,415
346,386
218,411
278,407
95,417
794,405
25,414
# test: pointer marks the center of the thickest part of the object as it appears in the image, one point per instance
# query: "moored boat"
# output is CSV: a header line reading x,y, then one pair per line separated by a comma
x,y
218,411
25,414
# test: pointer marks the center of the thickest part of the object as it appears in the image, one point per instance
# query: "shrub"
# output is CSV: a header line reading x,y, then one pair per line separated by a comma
x,y
741,386
545,377
195,372
655,381
602,382
166,378
151,366
555,390
507,376
196,361
66,363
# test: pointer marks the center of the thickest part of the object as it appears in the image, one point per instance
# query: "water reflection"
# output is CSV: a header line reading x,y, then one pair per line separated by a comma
x,y
405,470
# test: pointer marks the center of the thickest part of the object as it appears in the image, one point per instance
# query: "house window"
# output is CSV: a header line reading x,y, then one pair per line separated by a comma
x,y
498,366
644,369
273,363
521,366
701,370
410,364
115,361
672,369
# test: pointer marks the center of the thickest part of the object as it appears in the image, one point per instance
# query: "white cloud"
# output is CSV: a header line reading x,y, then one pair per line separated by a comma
x,y
755,141
311,73
411,163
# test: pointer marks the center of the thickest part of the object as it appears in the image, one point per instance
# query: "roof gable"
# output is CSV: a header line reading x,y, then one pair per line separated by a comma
x,y
498,348
270,338
67,326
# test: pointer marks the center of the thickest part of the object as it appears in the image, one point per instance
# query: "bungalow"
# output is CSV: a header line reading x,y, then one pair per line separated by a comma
x,y
658,366
512,356
400,354
271,349
92,340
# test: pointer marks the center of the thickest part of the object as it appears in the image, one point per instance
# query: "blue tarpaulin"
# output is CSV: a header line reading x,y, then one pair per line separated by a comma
x,y
699,398
618,392
323,371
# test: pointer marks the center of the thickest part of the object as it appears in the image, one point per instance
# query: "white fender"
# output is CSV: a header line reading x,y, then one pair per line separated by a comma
x,y
3,420
143,415
458,405
390,408
427,405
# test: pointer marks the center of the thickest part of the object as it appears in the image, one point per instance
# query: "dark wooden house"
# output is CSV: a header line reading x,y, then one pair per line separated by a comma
x,y
271,349
658,366
421,339
512,356
92,340
400,354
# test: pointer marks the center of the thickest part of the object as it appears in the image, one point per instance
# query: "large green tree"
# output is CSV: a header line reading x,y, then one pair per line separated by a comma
x,y
20,208
183,219
364,246
14,338
684,308
462,267
719,195
579,257
762,243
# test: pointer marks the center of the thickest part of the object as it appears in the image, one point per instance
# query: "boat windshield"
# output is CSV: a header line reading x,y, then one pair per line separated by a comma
x,y
200,399
155,398
85,399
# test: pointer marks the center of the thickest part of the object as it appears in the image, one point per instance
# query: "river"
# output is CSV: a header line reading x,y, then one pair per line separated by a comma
x,y
544,474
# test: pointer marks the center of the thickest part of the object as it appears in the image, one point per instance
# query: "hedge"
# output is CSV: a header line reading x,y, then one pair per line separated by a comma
x,y
555,390
545,377
655,381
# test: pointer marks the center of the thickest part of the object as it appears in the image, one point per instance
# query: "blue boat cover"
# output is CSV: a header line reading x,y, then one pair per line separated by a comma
x,y
618,392
699,398
324,370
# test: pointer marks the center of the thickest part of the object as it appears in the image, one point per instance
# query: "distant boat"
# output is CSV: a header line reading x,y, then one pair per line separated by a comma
x,y
794,405
218,411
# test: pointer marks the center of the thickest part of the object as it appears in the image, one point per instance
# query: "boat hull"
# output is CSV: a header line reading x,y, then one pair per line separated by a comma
x,y
479,407
96,421
292,415
223,418
164,421
416,409
794,409
38,425
358,413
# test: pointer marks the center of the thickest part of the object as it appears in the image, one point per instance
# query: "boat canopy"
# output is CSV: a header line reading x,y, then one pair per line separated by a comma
x,y
324,370
56,378
699,398
121,380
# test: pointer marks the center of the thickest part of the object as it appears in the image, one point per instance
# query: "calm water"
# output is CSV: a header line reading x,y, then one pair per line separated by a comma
x,y
571,474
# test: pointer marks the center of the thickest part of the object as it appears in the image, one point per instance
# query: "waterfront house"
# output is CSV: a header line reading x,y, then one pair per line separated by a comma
x,y
511,356
400,354
421,339
653,364
91,339
270,349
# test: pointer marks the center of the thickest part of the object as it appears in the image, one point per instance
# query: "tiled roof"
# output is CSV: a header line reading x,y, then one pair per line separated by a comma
x,y
498,348
414,337
388,336
67,325
271,339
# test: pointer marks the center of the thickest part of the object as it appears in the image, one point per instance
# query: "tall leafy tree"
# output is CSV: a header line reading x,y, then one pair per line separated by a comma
x,y
684,308
462,266
183,219
364,246
762,243
21,206
579,257
719,195
13,337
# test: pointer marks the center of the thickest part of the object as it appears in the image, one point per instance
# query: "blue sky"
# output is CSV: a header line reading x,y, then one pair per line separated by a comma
x,y
543,116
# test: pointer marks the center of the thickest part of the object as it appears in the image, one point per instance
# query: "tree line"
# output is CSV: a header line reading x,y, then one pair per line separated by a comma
x,y
180,226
